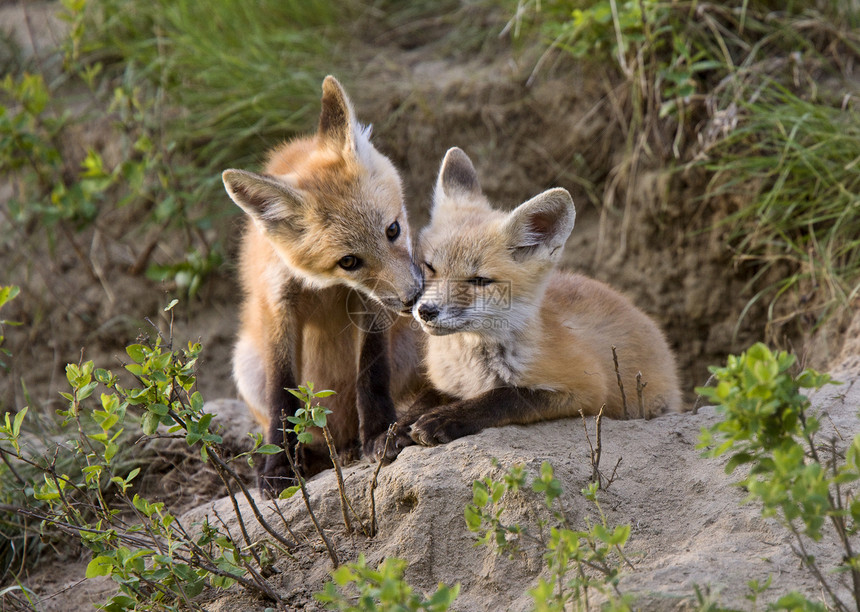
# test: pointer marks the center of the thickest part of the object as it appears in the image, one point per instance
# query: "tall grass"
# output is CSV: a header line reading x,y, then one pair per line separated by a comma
x,y
788,147
236,76
796,166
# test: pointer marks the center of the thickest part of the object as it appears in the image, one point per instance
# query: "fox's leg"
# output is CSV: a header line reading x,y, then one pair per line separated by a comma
x,y
429,399
375,406
276,473
495,408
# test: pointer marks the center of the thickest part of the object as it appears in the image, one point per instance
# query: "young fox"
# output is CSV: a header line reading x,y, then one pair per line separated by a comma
x,y
512,340
326,218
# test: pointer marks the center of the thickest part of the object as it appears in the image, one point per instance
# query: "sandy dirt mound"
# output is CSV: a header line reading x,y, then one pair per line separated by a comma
x,y
689,525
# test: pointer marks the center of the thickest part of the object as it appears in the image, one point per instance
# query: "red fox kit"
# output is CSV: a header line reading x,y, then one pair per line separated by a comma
x,y
512,340
326,217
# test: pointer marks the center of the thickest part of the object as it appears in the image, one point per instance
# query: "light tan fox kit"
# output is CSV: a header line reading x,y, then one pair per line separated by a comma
x,y
512,339
327,229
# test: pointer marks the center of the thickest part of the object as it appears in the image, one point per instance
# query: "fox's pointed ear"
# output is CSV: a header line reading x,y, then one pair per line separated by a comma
x,y
541,226
337,119
268,201
457,175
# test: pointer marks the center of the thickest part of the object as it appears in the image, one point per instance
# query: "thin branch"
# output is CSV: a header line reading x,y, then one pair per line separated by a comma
x,y
239,518
332,451
307,500
640,387
620,384
373,483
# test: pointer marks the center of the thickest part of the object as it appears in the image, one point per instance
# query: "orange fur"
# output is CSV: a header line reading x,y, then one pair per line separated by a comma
x,y
500,316
324,201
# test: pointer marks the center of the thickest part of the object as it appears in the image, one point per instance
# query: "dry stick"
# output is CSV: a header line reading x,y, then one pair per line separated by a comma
x,y
12,469
640,387
358,518
239,518
284,521
620,384
614,471
220,463
198,553
373,482
595,452
258,579
340,487
307,499
699,397
595,456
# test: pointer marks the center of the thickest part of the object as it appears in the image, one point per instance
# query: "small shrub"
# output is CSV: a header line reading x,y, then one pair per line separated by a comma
x,y
381,590
802,482
157,561
579,561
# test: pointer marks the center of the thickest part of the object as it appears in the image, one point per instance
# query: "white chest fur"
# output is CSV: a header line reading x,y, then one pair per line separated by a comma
x,y
466,365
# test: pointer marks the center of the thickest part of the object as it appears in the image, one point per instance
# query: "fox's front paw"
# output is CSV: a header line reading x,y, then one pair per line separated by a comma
x,y
376,449
440,427
275,476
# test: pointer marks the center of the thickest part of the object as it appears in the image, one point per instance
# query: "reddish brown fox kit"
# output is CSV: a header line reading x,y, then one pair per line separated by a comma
x,y
327,228
512,340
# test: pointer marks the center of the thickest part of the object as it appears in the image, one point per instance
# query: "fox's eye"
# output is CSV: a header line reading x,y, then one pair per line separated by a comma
x,y
393,231
349,262
480,281
429,267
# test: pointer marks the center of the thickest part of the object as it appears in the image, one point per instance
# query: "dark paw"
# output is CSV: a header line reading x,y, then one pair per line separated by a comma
x,y
439,428
381,448
275,476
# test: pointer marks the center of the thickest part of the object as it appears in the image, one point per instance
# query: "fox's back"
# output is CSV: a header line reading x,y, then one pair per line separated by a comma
x,y
582,321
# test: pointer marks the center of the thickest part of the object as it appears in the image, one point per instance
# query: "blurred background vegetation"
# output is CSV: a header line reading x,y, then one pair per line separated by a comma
x,y
113,134
115,127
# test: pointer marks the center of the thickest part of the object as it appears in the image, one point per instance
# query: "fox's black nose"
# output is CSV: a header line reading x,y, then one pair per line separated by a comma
x,y
428,312
408,304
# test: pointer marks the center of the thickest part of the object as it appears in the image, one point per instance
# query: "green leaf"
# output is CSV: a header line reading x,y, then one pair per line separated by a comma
x,y
19,418
100,566
473,518
480,494
289,492
136,352
8,293
149,423
159,409
736,460
269,449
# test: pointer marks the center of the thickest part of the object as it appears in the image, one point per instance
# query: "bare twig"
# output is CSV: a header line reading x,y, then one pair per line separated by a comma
x,y
223,465
239,518
332,451
620,384
596,451
12,469
373,482
640,387
306,497
809,561
595,455
699,397
614,473
284,521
